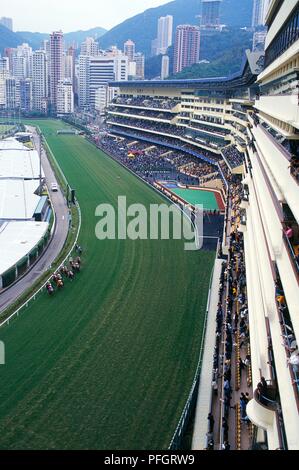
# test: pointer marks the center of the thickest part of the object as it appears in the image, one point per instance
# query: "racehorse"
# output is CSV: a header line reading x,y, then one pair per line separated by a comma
x,y
49,288
77,267
64,270
57,278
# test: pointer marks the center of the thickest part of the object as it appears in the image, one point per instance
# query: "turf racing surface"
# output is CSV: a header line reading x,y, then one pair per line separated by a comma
x,y
108,362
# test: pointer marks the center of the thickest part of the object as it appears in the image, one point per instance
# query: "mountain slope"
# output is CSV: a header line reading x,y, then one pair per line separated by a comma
x,y
142,28
76,37
223,50
11,39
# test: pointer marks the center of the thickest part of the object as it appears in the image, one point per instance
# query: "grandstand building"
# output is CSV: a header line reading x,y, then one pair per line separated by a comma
x,y
247,127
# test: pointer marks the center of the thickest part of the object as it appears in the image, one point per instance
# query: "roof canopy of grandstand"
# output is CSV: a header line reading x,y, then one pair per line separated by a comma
x,y
252,65
18,200
11,144
17,240
16,161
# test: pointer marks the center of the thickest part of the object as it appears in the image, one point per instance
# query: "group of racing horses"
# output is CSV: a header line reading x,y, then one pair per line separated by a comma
x,y
65,272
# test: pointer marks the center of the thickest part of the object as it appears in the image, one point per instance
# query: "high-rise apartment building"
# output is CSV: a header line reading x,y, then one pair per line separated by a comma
x,y
90,47
187,47
4,64
40,81
12,93
4,74
56,65
154,47
26,95
129,50
95,72
165,31
165,67
70,67
101,99
210,17
140,63
103,69
83,81
260,9
7,22
24,50
19,67
9,53
65,97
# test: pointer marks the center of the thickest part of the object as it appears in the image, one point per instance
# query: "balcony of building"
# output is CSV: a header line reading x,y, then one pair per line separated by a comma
x,y
291,237
244,204
283,108
279,164
289,338
283,233
264,412
283,32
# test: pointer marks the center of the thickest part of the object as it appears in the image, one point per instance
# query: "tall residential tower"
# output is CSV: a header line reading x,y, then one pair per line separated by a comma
x,y
187,47
210,17
56,65
165,30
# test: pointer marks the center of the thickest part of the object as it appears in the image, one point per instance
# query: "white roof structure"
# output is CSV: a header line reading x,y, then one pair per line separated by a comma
x,y
17,239
17,199
11,144
19,163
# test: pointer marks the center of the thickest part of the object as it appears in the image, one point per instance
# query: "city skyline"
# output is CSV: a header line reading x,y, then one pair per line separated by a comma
x,y
119,11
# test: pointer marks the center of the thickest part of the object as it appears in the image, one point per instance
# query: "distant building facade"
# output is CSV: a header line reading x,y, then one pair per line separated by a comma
x,y
260,9
40,81
56,66
65,97
96,72
165,32
187,47
129,50
165,67
210,17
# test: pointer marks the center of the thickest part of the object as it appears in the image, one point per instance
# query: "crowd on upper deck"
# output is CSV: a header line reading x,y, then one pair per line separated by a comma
x,y
147,102
233,156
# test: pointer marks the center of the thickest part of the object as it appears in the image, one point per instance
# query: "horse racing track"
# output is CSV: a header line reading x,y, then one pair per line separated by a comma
x,y
108,361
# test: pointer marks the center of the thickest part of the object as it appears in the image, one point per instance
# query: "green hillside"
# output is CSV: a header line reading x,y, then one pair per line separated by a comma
x,y
142,28
224,51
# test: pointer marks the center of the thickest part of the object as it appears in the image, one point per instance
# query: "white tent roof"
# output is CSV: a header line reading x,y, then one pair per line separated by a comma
x,y
11,144
20,163
17,239
17,199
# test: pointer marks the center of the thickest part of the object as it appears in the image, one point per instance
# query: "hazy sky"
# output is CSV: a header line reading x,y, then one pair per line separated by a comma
x,y
71,15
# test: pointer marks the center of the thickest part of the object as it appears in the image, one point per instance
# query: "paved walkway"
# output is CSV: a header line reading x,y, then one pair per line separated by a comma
x,y
204,399
56,244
